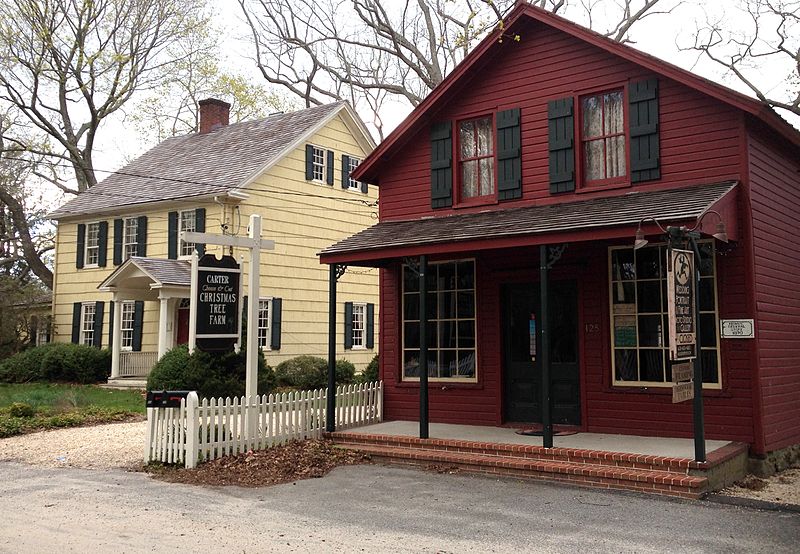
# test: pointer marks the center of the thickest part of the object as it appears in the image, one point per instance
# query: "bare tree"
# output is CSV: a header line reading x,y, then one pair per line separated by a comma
x,y
767,35
67,65
170,108
374,51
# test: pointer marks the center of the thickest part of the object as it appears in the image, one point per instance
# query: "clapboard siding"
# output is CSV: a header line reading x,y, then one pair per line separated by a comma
x,y
699,135
775,204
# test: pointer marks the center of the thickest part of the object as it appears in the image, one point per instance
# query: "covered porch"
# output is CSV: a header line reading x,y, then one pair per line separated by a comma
x,y
136,286
549,330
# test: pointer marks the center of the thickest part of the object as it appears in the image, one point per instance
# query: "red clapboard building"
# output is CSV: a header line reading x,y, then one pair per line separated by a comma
x,y
566,139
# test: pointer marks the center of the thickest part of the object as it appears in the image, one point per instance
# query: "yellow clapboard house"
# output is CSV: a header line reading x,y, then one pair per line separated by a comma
x,y
122,271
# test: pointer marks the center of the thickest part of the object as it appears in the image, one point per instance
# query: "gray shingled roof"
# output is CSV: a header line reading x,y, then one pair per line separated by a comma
x,y
199,165
166,272
626,209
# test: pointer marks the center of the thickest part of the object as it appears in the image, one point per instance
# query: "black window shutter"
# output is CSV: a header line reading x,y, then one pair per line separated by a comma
x,y
345,171
119,229
172,236
81,243
370,326
309,162
102,243
561,137
200,227
98,324
643,115
138,319
141,236
77,308
509,155
275,339
348,325
329,176
33,327
441,165
111,308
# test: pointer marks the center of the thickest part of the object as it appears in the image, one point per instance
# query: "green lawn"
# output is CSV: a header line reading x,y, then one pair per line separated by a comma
x,y
63,406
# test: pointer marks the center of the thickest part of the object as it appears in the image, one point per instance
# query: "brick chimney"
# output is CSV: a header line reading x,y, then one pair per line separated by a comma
x,y
214,114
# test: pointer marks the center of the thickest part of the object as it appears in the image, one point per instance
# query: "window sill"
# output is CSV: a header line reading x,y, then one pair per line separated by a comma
x,y
90,266
442,385
665,390
483,201
605,186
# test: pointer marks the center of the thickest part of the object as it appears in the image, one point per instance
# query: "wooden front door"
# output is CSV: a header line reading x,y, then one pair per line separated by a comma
x,y
521,375
183,326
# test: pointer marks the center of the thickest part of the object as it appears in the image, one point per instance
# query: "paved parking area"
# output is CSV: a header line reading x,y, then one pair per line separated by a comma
x,y
364,509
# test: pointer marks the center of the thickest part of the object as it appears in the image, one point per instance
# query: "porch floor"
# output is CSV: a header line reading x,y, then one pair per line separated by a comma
x,y
629,444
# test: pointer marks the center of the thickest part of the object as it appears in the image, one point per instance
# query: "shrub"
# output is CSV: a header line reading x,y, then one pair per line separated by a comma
x,y
371,372
9,426
21,409
311,372
210,374
58,362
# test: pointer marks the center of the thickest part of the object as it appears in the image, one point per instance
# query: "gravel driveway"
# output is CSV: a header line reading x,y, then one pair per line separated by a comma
x,y
100,446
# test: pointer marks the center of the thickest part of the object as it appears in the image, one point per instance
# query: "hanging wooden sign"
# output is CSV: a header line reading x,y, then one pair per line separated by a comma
x,y
680,305
217,298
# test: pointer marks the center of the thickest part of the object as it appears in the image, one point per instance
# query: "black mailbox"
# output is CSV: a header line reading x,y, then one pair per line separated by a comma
x,y
166,398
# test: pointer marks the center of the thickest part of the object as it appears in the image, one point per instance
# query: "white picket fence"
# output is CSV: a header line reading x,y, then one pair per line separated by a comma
x,y
209,429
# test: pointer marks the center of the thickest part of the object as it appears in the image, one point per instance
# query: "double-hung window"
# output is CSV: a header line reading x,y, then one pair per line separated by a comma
x,y
476,167
92,244
87,323
264,330
318,164
130,237
188,222
352,163
359,325
450,307
603,138
639,321
126,330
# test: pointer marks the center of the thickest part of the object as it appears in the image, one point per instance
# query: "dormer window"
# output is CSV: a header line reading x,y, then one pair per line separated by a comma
x,y
603,137
476,159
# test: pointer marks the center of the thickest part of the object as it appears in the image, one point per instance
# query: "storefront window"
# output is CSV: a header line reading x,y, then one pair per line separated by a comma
x,y
639,332
451,321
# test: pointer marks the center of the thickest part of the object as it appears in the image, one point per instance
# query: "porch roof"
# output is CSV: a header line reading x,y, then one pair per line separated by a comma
x,y
148,273
605,217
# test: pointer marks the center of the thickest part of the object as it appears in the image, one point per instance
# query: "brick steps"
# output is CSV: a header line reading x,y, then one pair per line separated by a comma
x,y
651,474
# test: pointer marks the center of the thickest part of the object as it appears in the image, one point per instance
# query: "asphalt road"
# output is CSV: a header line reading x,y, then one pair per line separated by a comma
x,y
364,509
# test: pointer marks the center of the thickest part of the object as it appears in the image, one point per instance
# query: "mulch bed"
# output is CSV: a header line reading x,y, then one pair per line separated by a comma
x,y
280,464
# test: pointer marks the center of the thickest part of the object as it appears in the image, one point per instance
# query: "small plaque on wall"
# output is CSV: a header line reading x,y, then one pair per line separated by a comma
x,y
737,329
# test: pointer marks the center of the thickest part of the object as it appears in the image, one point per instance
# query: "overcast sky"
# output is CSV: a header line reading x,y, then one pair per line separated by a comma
x,y
659,35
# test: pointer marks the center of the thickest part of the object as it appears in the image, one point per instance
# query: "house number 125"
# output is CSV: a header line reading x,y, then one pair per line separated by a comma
x,y
592,328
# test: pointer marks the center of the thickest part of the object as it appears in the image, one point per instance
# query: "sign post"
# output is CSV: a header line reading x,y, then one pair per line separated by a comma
x,y
255,244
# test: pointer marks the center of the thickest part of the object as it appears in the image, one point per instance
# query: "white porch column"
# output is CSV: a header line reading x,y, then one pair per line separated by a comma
x,y
163,325
116,343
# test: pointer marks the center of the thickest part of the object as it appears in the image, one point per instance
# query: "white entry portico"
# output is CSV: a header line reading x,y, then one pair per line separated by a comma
x,y
140,280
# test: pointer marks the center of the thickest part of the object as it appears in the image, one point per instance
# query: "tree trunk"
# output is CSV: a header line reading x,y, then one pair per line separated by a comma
x,y
30,255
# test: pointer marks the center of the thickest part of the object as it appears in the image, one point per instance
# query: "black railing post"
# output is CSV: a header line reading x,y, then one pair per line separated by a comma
x,y
547,424
330,413
423,348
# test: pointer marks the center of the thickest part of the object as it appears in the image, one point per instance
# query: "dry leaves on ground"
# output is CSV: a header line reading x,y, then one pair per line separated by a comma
x,y
280,464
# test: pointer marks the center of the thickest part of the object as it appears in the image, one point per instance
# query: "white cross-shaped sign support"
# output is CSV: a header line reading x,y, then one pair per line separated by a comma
x,y
255,244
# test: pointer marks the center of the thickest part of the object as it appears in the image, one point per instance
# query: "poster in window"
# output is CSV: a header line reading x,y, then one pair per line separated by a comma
x,y
625,331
